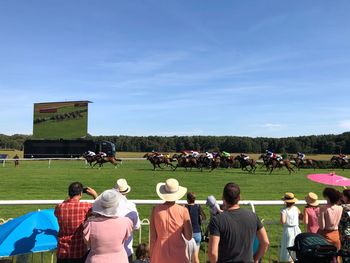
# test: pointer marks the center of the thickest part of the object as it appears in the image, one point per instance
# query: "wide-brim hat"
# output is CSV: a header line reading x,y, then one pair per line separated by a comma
x,y
312,199
170,191
122,186
289,198
107,203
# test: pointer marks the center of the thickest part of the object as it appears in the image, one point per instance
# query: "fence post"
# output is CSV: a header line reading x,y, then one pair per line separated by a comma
x,y
49,163
3,163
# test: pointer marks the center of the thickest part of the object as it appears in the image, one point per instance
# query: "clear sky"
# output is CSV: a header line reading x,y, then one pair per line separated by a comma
x,y
184,67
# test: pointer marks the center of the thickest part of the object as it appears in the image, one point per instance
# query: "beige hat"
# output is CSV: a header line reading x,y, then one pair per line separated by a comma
x,y
170,191
312,199
122,186
107,203
289,198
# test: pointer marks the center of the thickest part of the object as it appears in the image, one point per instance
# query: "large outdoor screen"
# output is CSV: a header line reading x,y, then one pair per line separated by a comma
x,y
54,120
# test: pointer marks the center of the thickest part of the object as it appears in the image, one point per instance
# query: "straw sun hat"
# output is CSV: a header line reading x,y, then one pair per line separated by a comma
x,y
312,199
107,203
122,186
170,191
289,198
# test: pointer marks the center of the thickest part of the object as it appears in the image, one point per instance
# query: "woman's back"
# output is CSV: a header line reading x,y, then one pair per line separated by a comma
x,y
312,214
168,226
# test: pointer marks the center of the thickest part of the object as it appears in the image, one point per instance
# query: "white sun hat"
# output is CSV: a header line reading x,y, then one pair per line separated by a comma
x,y
122,186
107,203
170,191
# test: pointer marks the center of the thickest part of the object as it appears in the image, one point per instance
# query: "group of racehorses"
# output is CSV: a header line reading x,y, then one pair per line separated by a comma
x,y
203,161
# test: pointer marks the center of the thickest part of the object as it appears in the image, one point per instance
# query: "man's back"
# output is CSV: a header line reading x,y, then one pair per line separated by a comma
x,y
237,230
70,215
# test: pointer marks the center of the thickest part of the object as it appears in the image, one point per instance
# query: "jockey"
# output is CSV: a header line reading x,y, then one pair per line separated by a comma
x,y
277,157
343,157
269,154
244,156
194,154
301,156
225,154
209,155
185,154
102,154
91,153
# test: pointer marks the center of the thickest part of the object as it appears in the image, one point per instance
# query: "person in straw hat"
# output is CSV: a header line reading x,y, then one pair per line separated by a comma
x,y
290,216
170,224
105,231
311,213
129,210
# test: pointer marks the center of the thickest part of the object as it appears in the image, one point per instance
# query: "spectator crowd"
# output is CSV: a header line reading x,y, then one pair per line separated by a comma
x,y
103,231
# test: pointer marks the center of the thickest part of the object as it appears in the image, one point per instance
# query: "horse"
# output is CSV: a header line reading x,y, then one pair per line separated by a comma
x,y
185,161
299,163
244,163
272,163
89,159
156,160
339,162
107,159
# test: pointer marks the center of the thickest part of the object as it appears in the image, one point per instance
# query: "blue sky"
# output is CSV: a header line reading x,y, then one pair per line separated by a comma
x,y
247,68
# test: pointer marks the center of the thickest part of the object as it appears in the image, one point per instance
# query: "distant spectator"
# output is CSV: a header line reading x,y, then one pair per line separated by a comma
x,y
233,231
129,210
170,224
105,232
330,215
16,158
289,218
344,224
197,216
311,213
71,215
142,253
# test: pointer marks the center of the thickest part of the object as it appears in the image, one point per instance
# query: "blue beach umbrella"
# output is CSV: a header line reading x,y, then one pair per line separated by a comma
x,y
30,233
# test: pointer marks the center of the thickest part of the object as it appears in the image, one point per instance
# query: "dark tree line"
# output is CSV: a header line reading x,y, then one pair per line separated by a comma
x,y
320,144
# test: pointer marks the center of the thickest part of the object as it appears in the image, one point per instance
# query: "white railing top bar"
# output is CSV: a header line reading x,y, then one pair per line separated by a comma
x,y
150,202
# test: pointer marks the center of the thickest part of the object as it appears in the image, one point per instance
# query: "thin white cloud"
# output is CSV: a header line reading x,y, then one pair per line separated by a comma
x,y
272,125
344,124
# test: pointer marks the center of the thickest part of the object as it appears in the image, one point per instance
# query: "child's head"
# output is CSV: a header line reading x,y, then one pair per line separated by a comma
x,y
142,251
289,199
312,200
332,195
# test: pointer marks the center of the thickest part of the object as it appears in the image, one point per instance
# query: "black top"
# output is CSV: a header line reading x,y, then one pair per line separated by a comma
x,y
194,211
237,231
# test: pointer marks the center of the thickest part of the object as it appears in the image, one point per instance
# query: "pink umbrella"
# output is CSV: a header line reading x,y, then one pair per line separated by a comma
x,y
330,179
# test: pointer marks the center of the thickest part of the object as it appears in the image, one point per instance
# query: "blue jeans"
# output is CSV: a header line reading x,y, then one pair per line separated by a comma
x,y
197,237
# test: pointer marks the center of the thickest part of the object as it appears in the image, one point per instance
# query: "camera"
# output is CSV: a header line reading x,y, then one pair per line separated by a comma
x,y
85,190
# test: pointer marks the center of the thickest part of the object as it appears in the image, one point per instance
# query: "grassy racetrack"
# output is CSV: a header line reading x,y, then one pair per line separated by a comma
x,y
34,180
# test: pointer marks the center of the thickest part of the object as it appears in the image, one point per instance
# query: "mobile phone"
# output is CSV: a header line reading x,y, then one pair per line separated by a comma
x,y
85,190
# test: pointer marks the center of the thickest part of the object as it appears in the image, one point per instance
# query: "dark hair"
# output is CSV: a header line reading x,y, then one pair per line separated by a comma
x,y
75,188
346,193
191,197
332,194
231,193
142,251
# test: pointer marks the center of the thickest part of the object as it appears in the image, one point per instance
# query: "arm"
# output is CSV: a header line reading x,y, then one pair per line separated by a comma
x,y
213,248
263,244
321,219
283,218
305,219
300,215
187,229
91,192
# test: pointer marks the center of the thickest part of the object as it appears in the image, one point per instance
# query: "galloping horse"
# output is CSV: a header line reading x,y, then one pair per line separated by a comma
x,y
89,159
272,163
339,162
245,163
186,162
299,163
108,159
156,160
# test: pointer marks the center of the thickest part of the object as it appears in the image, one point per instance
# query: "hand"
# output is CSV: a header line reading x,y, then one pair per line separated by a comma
x,y
91,192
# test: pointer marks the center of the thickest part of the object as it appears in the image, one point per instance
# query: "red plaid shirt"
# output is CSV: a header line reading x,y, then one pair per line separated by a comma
x,y
71,215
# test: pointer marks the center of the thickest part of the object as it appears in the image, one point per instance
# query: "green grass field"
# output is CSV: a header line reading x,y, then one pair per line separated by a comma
x,y
34,180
